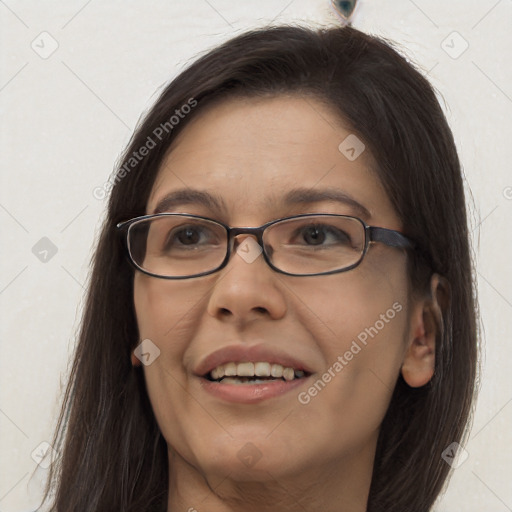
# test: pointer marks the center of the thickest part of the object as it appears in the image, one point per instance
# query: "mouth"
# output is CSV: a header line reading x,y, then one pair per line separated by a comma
x,y
249,374
253,373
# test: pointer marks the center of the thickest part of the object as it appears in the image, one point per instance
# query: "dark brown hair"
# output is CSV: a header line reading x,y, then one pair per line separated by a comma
x,y
113,456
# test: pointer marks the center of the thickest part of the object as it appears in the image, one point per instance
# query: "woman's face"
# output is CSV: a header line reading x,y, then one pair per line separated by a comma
x,y
350,330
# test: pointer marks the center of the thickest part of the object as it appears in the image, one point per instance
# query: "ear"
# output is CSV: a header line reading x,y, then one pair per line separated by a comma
x,y
135,360
425,324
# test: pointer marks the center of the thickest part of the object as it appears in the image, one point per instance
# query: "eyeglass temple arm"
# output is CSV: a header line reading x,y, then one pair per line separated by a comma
x,y
390,237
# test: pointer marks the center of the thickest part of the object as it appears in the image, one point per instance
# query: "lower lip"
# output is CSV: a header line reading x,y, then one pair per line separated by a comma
x,y
250,393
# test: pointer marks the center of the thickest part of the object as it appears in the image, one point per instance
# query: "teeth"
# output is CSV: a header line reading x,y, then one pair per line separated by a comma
x,y
245,369
244,380
229,369
217,372
259,369
262,369
288,374
276,370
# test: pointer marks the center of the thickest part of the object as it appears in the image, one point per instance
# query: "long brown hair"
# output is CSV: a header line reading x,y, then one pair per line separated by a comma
x,y
113,456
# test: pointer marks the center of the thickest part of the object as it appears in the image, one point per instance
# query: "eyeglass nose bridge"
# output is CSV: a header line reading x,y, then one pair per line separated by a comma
x,y
234,232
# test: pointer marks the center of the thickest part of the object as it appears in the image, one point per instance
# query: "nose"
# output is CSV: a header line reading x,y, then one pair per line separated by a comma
x,y
247,288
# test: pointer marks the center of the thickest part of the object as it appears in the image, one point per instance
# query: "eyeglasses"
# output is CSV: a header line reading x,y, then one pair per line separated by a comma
x,y
182,246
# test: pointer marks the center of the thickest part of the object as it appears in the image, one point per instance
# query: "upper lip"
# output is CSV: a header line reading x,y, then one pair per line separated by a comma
x,y
250,354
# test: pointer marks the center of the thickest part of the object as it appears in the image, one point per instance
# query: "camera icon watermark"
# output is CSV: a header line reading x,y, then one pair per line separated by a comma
x,y
507,193
249,454
45,45
249,250
44,250
146,352
44,455
351,147
454,455
454,45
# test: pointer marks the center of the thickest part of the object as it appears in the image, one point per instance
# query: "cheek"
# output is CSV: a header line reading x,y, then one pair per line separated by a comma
x,y
360,326
162,318
165,311
359,304
167,316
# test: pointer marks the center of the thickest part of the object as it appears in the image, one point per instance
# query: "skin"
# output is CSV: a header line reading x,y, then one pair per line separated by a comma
x,y
314,456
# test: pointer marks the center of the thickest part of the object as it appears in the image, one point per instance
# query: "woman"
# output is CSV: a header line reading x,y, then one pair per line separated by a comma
x,y
281,313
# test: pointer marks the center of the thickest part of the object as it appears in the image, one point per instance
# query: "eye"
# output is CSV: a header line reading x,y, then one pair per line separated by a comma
x,y
189,236
186,236
317,234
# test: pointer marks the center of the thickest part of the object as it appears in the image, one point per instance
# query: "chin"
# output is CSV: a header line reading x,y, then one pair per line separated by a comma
x,y
250,458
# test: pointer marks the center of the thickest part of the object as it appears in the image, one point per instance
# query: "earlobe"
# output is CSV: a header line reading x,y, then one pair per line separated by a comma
x,y
426,325
419,362
135,360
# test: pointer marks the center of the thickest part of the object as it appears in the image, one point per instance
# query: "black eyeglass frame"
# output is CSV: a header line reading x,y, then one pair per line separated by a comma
x,y
389,237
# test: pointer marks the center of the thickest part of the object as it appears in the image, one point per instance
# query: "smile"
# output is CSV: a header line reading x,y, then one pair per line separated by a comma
x,y
247,373
253,373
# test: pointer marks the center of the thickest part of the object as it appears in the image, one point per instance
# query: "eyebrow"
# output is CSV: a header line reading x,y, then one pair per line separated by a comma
x,y
189,196
309,196
302,196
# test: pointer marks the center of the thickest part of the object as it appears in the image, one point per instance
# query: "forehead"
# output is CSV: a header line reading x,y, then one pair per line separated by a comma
x,y
256,156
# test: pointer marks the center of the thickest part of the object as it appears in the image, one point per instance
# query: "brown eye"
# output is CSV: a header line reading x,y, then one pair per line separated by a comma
x,y
317,234
191,236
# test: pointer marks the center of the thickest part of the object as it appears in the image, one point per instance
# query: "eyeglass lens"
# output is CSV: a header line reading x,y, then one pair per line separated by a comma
x,y
179,246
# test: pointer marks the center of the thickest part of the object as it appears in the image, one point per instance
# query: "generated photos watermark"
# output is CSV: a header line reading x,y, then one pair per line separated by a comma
x,y
152,141
454,45
305,397
249,454
147,352
454,455
45,45
44,455
352,147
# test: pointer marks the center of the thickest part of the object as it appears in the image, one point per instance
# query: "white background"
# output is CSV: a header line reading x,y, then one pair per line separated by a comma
x,y
66,118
